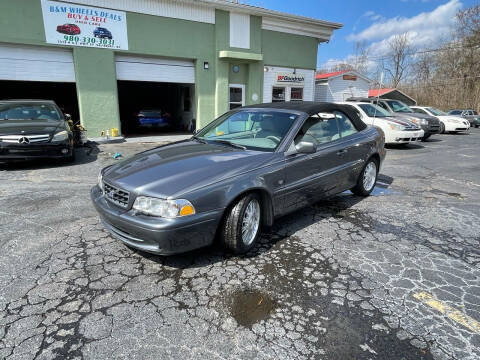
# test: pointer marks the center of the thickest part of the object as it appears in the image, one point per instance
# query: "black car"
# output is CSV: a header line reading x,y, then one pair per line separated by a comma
x,y
429,124
243,170
32,129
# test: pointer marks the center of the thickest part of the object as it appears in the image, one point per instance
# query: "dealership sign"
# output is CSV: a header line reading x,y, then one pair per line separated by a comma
x,y
289,79
78,25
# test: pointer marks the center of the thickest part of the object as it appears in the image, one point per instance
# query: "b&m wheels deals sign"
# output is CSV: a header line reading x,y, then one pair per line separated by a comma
x,y
79,25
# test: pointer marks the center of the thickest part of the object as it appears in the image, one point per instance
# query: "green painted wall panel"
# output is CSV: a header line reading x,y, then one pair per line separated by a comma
x,y
289,50
238,78
21,21
96,89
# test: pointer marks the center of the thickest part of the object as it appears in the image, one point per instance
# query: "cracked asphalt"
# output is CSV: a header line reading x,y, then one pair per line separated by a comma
x,y
337,280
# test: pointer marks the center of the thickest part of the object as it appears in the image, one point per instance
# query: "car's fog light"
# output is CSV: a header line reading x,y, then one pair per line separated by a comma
x,y
163,208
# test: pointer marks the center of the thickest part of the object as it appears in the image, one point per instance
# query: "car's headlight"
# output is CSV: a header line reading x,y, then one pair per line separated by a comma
x,y
163,208
100,181
60,136
420,121
395,126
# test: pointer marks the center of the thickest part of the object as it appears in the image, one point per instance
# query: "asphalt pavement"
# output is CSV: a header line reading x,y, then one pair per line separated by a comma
x,y
392,276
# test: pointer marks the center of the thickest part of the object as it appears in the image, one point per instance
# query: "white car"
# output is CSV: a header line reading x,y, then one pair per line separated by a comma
x,y
449,123
397,130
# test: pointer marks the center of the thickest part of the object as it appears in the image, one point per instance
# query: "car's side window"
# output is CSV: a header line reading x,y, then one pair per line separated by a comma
x,y
420,111
383,105
318,130
346,126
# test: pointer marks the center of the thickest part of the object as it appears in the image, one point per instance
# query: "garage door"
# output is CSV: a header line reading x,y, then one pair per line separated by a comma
x,y
153,69
36,63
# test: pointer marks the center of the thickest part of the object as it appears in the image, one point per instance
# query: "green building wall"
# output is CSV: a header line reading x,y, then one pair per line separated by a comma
x,y
160,36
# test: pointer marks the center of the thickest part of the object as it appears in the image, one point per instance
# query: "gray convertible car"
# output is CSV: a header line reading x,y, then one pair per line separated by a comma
x,y
237,174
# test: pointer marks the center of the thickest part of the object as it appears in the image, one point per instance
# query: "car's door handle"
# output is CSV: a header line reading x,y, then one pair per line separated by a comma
x,y
341,152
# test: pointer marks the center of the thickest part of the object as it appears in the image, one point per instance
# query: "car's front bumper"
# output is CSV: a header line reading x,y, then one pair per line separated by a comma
x,y
403,137
156,235
13,152
430,129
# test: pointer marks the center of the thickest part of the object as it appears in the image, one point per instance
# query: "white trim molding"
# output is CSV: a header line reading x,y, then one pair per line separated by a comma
x,y
320,32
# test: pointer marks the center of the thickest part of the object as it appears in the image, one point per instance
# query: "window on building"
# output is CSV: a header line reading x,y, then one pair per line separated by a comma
x,y
236,97
278,94
296,94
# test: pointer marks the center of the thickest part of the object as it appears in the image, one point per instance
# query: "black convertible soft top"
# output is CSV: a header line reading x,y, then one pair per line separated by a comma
x,y
311,107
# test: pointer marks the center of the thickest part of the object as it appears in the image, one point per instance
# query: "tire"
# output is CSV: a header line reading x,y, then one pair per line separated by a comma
x,y
70,159
231,234
364,188
442,128
426,137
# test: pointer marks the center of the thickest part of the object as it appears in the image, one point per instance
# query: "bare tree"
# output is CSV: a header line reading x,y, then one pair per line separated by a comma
x,y
360,57
397,61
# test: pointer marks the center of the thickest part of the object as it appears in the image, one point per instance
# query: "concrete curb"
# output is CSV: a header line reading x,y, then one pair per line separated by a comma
x,y
104,140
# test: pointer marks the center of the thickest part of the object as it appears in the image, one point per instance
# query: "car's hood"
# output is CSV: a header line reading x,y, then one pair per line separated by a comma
x,y
178,168
409,116
452,118
397,120
27,127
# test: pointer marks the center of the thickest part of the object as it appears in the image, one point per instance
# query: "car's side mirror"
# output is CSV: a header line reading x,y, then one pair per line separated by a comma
x,y
68,117
305,147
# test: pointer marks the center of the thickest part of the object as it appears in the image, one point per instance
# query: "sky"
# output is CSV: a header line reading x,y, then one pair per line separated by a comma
x,y
427,22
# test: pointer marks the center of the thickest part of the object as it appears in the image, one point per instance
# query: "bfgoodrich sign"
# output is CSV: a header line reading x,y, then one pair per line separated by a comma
x,y
289,79
77,25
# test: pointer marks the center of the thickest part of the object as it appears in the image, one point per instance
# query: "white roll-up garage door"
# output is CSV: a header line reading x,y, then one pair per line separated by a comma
x,y
140,68
36,63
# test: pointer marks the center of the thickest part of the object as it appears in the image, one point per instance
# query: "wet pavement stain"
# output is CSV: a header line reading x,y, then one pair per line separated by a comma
x,y
251,306
452,194
353,335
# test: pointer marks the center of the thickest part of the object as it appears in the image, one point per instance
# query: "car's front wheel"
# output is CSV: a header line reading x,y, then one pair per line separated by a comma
x,y
241,227
442,128
367,179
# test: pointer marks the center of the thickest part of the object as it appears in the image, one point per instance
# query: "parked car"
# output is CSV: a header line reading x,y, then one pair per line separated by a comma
x,y
154,118
397,130
448,123
429,124
469,114
102,33
69,29
243,170
33,129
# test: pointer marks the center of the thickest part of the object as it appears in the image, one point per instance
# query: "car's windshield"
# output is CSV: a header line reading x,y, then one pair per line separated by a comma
x,y
455,112
254,129
398,106
436,111
28,111
373,110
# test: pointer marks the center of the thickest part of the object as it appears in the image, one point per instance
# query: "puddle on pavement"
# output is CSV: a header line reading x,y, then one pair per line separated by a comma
x,y
380,190
251,306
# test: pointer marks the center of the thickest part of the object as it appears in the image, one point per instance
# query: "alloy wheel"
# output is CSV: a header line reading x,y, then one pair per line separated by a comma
x,y
369,176
250,222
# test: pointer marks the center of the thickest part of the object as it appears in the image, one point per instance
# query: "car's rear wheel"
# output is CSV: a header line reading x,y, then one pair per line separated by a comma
x,y
367,179
241,227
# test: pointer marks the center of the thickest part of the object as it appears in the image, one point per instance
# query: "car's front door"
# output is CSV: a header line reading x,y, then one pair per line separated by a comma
x,y
309,176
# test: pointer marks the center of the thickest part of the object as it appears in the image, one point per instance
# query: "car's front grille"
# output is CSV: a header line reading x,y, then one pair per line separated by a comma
x,y
411,127
24,139
116,195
